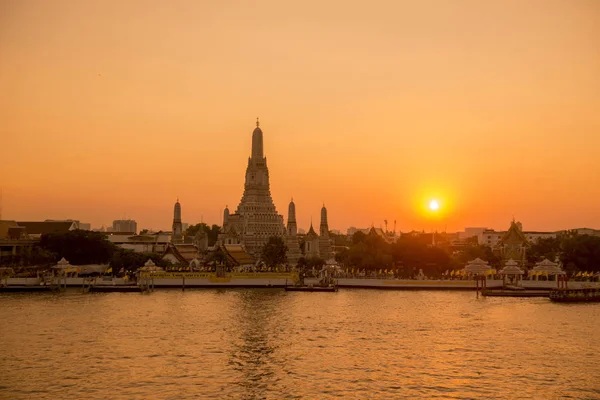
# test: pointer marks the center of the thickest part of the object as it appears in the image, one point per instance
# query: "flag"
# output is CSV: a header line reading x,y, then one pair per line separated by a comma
x,y
452,273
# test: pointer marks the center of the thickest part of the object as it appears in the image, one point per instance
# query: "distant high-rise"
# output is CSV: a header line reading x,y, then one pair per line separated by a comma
x,y
124,225
177,226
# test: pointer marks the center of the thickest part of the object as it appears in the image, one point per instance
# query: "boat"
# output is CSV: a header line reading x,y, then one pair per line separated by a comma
x,y
311,288
575,295
326,284
216,280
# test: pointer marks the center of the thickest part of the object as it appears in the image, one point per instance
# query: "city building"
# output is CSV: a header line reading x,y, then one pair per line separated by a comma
x,y
492,238
78,224
35,229
124,225
586,231
143,243
470,233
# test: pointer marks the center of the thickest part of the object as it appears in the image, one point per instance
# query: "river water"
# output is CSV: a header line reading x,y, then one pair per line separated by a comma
x,y
257,344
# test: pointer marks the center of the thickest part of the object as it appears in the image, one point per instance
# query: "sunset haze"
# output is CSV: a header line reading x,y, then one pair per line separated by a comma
x,y
114,110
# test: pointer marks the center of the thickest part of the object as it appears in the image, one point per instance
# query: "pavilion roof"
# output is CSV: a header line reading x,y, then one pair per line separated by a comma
x,y
548,267
511,268
477,266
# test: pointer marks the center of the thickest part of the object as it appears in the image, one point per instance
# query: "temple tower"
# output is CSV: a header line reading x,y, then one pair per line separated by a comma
x,y
324,242
293,253
177,233
256,218
311,243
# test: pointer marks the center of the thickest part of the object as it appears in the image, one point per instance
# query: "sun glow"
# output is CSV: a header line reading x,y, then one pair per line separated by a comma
x,y
434,205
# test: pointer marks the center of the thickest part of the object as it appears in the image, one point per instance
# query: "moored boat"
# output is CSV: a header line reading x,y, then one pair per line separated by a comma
x,y
575,295
311,288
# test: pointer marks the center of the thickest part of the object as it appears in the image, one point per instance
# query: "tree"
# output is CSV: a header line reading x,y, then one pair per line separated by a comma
x,y
130,260
580,253
79,247
212,232
544,248
42,257
315,262
474,251
273,252
301,263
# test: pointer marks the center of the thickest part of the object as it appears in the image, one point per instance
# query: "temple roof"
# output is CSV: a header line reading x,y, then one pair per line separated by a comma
x,y
236,254
41,228
311,232
514,229
4,227
182,252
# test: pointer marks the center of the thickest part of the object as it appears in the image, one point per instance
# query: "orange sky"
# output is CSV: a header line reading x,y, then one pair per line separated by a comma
x,y
114,108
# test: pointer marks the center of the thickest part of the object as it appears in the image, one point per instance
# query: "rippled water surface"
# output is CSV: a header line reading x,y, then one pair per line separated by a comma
x,y
254,344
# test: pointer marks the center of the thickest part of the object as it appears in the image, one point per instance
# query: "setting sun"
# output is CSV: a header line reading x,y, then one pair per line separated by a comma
x,y
434,205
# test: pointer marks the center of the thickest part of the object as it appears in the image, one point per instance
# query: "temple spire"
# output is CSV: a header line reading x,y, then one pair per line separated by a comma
x,y
257,143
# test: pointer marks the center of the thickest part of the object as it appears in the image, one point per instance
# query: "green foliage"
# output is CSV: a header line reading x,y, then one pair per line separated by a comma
x,y
409,254
474,251
130,260
79,247
212,232
548,248
315,262
338,240
273,252
580,253
41,256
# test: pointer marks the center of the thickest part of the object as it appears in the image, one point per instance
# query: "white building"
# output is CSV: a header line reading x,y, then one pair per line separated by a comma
x,y
124,225
470,232
587,231
146,243
490,237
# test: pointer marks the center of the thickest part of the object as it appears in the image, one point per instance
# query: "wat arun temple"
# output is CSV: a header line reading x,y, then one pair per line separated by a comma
x,y
256,219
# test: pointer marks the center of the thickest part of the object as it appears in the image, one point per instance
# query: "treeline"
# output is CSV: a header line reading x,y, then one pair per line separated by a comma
x,y
411,253
80,248
406,256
